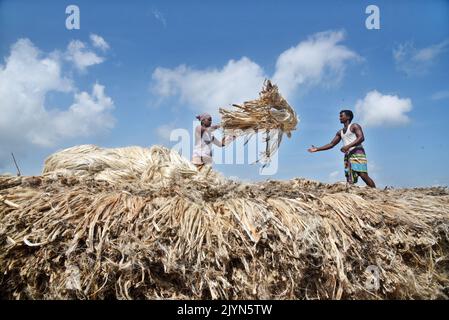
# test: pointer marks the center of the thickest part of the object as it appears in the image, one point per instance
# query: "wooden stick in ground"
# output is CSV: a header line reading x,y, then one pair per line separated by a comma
x,y
18,170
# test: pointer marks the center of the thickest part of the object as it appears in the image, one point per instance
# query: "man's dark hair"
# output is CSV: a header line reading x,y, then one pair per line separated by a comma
x,y
348,113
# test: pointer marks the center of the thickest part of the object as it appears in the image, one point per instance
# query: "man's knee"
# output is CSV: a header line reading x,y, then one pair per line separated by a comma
x,y
363,175
367,179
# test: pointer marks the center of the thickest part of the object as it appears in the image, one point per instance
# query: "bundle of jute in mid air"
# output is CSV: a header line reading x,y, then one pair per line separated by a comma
x,y
270,113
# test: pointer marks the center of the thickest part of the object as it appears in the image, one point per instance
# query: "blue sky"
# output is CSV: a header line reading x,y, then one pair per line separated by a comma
x,y
163,62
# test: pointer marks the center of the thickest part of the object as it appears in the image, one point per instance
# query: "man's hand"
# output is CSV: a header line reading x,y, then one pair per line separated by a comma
x,y
345,149
228,139
313,149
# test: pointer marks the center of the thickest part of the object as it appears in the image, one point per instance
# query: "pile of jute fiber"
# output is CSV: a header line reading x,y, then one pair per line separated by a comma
x,y
148,225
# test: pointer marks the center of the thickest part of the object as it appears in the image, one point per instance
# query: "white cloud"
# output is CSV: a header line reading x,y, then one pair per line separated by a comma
x,y
335,176
99,42
164,131
80,56
431,52
415,61
377,109
159,16
207,90
440,95
26,121
88,115
318,60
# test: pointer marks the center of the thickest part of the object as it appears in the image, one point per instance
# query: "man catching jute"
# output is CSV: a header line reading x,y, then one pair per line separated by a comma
x,y
356,164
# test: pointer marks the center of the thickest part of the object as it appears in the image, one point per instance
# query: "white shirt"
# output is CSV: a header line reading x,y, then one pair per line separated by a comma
x,y
348,137
203,147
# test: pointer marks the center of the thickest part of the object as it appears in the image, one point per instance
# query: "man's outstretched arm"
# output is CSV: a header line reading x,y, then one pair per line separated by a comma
x,y
328,146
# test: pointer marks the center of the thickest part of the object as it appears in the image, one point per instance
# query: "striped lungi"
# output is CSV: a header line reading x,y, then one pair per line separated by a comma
x,y
355,163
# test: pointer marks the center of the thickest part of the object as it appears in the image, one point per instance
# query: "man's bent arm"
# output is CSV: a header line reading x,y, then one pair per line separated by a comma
x,y
359,136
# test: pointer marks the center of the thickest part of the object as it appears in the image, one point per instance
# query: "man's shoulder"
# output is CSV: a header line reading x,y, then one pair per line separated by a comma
x,y
355,126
